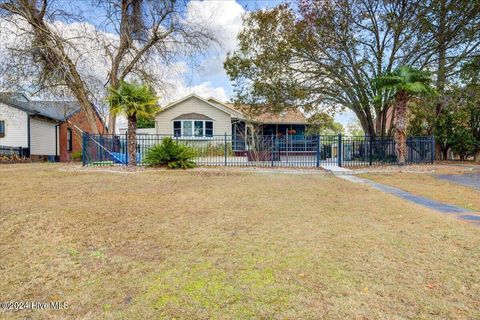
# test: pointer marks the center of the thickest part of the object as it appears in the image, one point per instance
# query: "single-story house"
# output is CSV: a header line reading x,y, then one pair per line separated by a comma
x,y
43,129
194,117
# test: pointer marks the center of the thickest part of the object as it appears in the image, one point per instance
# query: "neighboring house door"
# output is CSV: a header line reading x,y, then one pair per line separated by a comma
x,y
43,137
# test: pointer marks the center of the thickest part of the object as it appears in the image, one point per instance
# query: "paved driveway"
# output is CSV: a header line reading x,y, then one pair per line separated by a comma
x,y
470,179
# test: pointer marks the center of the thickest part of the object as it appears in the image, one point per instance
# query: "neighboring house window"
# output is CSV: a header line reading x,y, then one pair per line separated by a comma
x,y
2,128
193,128
69,139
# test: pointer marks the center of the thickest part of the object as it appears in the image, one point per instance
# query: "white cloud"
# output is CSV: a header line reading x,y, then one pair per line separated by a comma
x,y
224,20
204,89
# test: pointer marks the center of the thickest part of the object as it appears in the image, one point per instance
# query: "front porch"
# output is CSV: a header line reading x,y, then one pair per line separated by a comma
x,y
243,134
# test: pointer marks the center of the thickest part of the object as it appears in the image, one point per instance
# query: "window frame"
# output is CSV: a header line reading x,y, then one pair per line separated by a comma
x,y
192,122
69,139
3,125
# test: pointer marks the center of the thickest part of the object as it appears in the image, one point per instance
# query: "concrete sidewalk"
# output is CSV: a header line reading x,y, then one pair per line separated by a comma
x,y
456,211
336,170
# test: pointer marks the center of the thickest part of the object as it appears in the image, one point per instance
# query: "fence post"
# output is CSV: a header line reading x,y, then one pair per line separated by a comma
x,y
370,152
318,151
225,149
272,151
84,148
126,147
432,138
339,150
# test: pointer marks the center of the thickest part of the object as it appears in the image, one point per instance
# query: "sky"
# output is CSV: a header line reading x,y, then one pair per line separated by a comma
x,y
207,79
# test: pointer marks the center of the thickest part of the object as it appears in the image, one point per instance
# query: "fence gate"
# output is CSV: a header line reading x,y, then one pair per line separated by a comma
x,y
273,151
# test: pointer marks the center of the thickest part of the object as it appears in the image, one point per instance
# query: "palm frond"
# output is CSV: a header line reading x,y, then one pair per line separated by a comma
x,y
133,99
408,79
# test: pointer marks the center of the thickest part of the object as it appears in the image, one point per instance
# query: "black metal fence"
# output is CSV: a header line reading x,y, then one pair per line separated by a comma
x,y
274,151
14,151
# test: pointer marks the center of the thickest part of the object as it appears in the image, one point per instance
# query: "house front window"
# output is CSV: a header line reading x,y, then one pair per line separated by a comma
x,y
193,128
69,139
187,128
209,128
198,128
2,128
177,128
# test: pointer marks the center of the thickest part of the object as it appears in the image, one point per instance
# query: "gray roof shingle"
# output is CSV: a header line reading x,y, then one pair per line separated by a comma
x,y
56,110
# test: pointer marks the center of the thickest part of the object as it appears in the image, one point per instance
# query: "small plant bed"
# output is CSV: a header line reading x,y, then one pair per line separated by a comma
x,y
13,159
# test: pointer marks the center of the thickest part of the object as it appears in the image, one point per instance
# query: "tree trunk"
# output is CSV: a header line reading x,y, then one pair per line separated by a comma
x,y
400,127
438,150
445,154
132,140
123,47
366,121
112,119
476,157
380,121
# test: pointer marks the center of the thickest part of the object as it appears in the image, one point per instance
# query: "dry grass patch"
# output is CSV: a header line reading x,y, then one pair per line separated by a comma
x,y
191,245
429,186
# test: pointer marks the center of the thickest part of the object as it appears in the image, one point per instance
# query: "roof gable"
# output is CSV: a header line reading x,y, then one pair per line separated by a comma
x,y
225,109
192,116
237,113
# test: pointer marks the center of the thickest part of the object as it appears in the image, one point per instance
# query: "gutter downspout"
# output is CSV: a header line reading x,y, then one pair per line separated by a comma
x,y
28,135
57,127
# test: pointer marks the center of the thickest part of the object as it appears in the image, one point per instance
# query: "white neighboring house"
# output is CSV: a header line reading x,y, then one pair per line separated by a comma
x,y
30,125
123,130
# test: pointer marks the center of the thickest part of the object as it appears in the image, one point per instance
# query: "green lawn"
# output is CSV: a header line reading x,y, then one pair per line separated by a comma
x,y
213,244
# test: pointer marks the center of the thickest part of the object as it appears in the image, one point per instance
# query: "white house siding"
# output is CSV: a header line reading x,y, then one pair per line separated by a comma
x,y
139,130
43,140
221,120
16,127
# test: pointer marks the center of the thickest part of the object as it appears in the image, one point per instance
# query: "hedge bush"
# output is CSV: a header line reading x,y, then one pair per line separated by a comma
x,y
170,154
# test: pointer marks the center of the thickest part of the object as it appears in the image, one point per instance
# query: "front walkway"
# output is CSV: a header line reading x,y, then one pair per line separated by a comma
x,y
471,180
456,211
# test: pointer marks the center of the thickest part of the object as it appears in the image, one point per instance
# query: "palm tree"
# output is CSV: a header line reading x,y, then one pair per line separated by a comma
x,y
404,83
132,100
